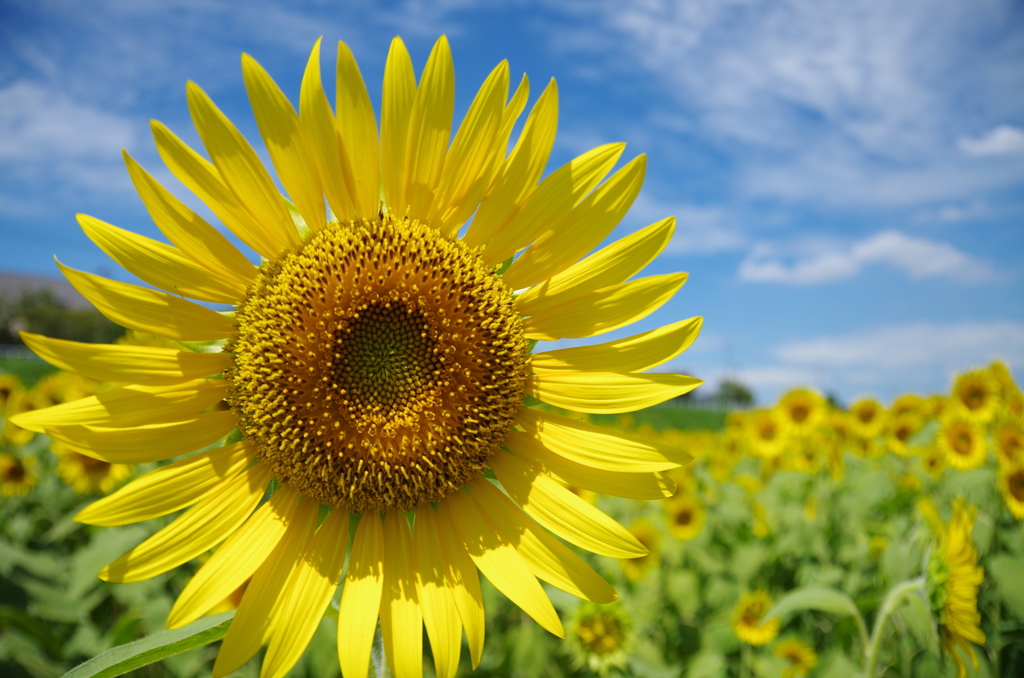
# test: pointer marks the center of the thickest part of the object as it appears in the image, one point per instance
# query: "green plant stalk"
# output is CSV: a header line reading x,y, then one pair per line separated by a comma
x,y
893,600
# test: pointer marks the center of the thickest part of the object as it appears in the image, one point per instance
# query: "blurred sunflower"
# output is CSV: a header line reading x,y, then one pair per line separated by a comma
x,y
1009,442
748,619
976,396
88,475
900,430
933,461
953,578
20,401
599,637
684,516
1011,484
61,387
765,433
908,403
963,442
868,418
377,363
17,476
645,533
802,410
800,657
9,384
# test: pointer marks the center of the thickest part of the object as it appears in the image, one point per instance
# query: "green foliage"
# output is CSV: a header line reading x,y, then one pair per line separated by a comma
x,y
42,313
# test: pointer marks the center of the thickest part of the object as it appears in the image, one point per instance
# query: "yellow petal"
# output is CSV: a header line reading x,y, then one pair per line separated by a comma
x,y
551,201
309,590
495,556
146,443
637,353
430,128
150,311
256,616
170,488
235,561
467,167
396,108
609,266
188,231
401,623
546,557
203,179
123,363
434,587
160,265
245,175
520,172
325,143
195,531
603,310
469,600
286,141
594,446
357,124
608,392
561,511
509,116
129,406
574,474
361,597
581,230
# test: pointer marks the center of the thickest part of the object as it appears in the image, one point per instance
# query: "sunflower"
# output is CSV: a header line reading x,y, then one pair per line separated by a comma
x,y
684,516
868,418
800,657
62,387
600,637
953,579
900,430
17,476
9,384
377,365
765,433
933,461
20,402
802,409
87,475
963,442
646,534
976,396
907,403
748,619
1011,484
1009,442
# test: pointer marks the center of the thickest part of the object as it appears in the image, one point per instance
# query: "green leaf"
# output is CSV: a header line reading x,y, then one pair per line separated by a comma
x,y
823,599
820,598
918,616
151,649
1008,573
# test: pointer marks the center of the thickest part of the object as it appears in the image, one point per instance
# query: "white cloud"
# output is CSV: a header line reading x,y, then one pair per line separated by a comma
x,y
1001,140
844,101
917,257
910,347
38,123
700,229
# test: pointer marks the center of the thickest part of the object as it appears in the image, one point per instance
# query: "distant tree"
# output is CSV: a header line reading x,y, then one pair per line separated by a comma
x,y
41,312
834,401
732,393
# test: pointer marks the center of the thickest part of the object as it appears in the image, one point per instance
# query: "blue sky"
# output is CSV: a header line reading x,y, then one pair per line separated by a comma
x,y
847,175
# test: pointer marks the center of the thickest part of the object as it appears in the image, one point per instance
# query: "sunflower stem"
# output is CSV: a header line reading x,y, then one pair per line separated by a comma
x,y
893,600
377,657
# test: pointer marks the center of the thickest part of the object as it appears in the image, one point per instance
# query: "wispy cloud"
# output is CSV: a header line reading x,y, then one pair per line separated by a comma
x,y
908,347
917,257
845,101
700,229
1001,140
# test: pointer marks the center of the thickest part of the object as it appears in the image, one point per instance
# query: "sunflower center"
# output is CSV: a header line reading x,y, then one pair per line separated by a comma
x,y
1016,484
377,367
601,633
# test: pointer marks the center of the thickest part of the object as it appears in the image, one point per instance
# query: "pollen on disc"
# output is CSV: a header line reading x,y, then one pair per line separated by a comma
x,y
378,366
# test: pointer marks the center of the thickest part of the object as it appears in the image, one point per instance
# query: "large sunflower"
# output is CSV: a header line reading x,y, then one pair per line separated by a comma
x,y
377,365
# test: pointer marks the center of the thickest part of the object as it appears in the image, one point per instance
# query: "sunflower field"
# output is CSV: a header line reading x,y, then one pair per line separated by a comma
x,y
805,539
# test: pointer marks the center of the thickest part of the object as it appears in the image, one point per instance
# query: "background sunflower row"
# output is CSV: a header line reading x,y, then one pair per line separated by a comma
x,y
801,494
